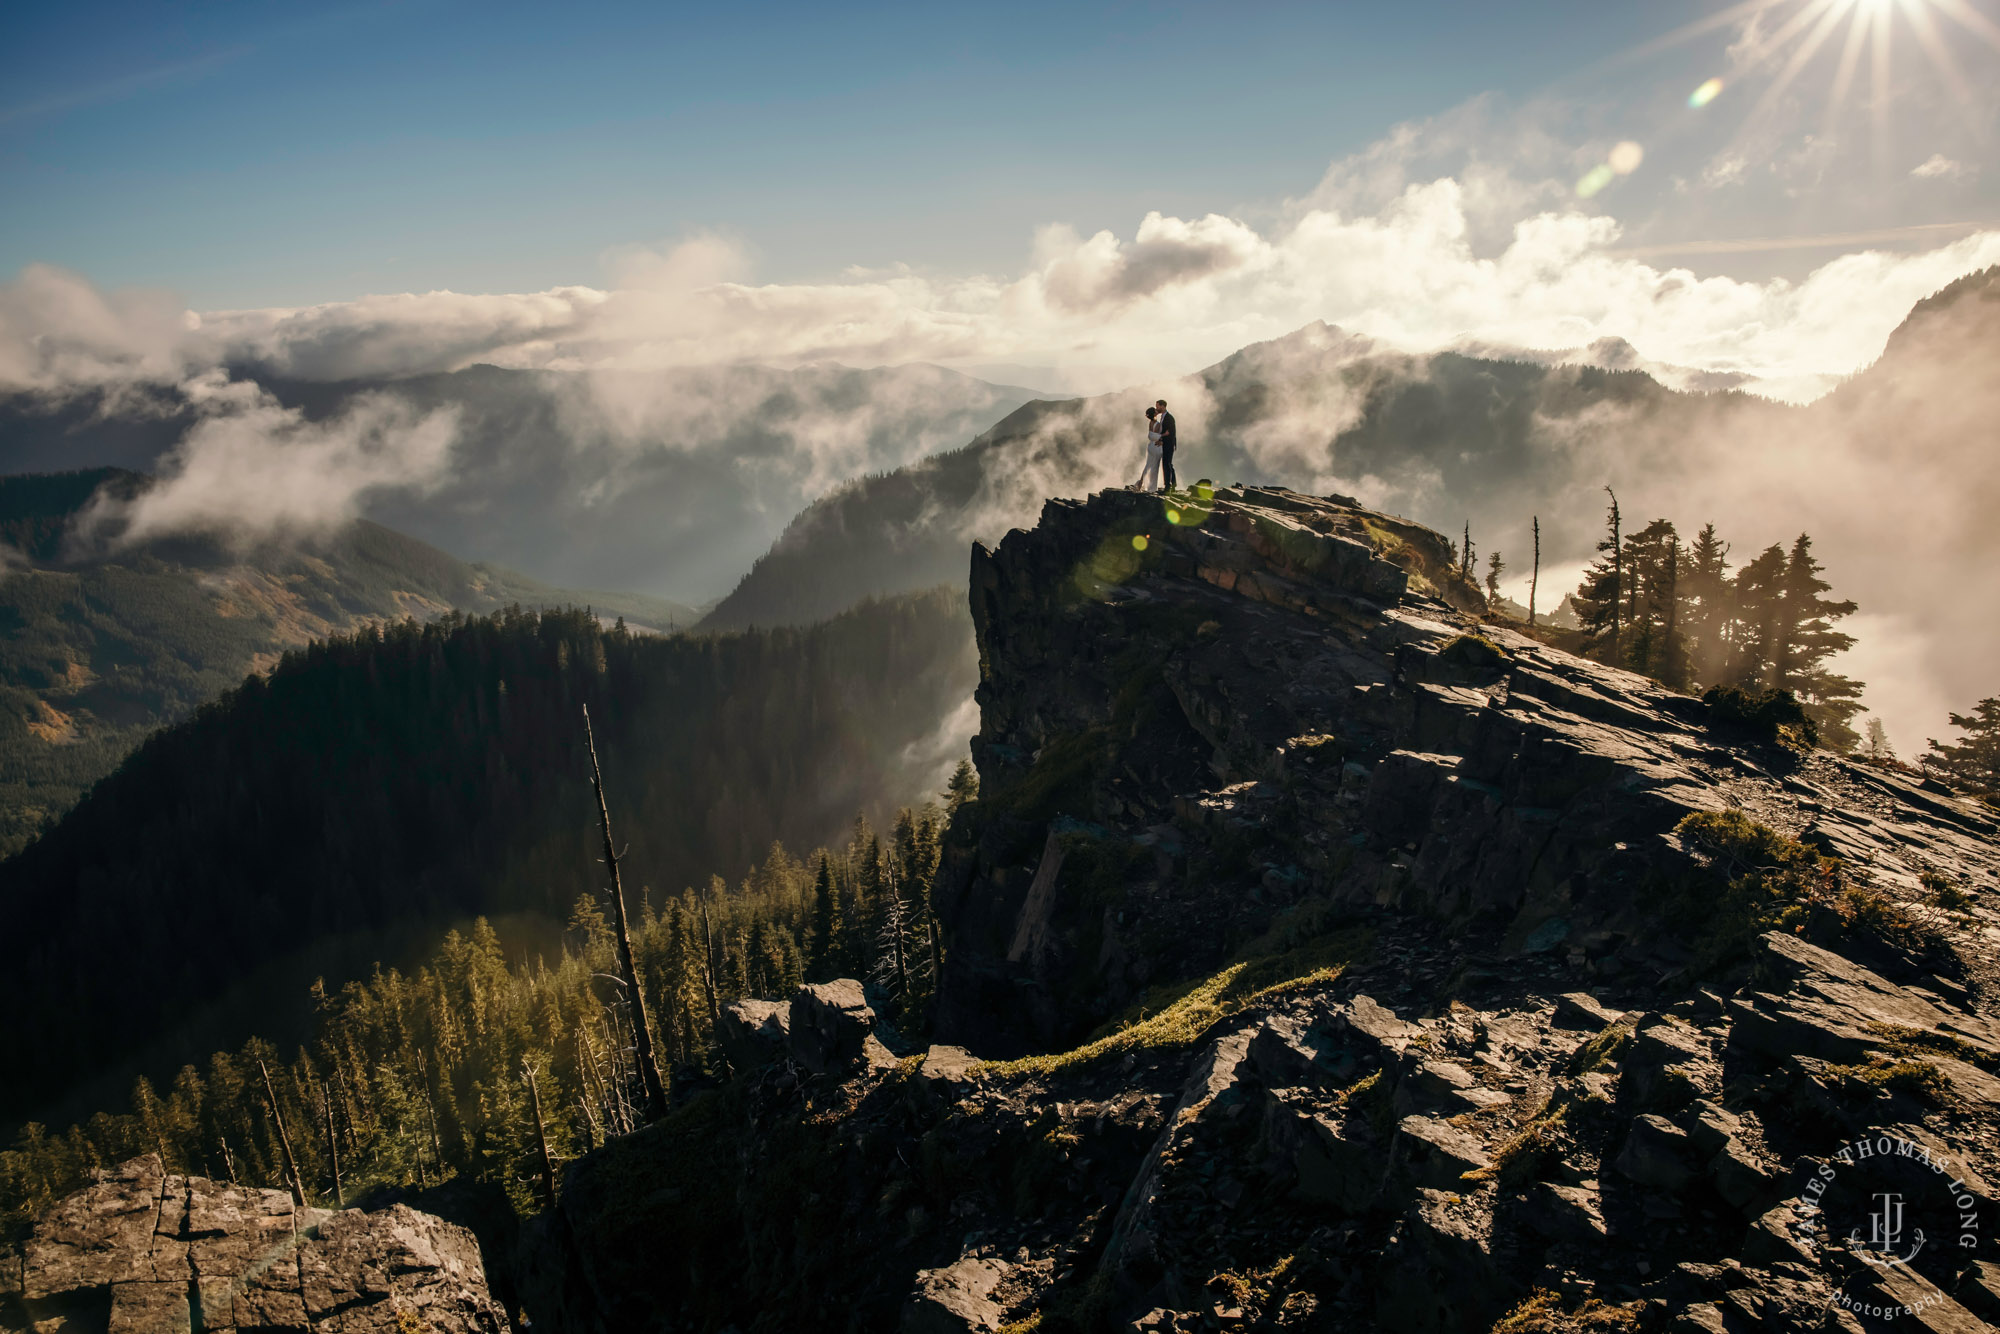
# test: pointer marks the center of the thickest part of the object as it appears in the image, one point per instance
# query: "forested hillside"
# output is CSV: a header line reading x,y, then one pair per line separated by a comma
x,y
421,1075
101,644
378,787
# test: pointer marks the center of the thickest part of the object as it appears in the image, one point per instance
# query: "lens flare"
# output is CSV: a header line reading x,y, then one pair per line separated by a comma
x,y
1594,180
1139,542
1625,158
1705,94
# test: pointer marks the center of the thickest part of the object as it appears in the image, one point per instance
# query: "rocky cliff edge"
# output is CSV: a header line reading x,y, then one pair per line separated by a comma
x,y
1321,956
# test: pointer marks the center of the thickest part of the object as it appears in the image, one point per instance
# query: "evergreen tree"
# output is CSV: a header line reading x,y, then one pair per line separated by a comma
x,y
1495,567
1875,742
1974,759
1599,600
1805,640
824,954
1705,600
962,787
1756,619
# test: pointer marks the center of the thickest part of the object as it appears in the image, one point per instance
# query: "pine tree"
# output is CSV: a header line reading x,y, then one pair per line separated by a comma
x,y
1705,597
823,955
1495,567
962,787
1755,619
1975,759
1875,742
1600,598
1806,639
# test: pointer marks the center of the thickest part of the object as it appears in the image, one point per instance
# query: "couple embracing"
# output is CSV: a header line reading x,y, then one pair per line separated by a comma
x,y
1160,442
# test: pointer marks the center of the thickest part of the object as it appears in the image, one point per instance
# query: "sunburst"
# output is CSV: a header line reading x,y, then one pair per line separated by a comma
x,y
1783,37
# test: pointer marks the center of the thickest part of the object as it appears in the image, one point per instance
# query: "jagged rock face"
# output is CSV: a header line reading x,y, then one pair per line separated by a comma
x,y
1264,671
141,1251
1499,1077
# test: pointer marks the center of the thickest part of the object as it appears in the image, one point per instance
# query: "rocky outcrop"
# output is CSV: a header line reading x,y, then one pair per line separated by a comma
x,y
143,1251
1361,976
1298,673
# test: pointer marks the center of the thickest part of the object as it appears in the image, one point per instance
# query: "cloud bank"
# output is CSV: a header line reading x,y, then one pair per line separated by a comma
x,y
1424,240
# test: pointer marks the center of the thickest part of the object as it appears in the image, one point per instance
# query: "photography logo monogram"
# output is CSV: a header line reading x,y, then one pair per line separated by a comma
x,y
1879,1203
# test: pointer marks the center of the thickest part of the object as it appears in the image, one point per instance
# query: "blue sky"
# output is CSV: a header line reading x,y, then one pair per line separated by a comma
x,y
248,155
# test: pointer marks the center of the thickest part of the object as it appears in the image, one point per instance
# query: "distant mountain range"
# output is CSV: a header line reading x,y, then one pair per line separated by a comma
x,y
1894,474
101,644
1444,438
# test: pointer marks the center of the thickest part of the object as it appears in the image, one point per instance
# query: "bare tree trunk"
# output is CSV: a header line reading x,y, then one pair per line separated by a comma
x,y
332,1148
649,1069
1535,579
528,1073
430,1112
284,1140
708,964
228,1159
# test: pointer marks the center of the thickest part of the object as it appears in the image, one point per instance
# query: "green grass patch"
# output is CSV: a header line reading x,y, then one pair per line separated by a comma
x,y
1473,654
1545,1312
1527,1151
1779,884
1190,1010
1603,1051
1899,1040
1920,1079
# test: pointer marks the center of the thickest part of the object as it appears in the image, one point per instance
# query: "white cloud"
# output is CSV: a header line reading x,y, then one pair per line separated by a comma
x,y
251,468
1462,228
1938,165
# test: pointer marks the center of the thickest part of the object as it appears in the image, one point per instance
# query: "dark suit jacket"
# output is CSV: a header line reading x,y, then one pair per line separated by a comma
x,y
1165,421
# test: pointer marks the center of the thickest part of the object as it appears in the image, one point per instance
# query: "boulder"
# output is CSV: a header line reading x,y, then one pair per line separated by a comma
x,y
1563,1213
947,1072
1435,1153
1374,1026
831,1023
1739,1176
1657,1153
1327,1164
1580,1009
141,1251
754,1033
1709,1126
1656,1048
1443,1277
1834,1009
957,1299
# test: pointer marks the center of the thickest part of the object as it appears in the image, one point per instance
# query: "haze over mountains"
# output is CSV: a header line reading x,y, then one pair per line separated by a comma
x,y
1893,474
666,483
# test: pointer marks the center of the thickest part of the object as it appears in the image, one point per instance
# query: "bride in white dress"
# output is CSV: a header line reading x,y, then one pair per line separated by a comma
x,y
1149,478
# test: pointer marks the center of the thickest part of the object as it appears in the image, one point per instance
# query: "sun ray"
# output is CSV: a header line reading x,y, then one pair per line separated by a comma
x,y
1971,19
1801,57
1865,17
1941,60
1880,53
1689,32
1789,29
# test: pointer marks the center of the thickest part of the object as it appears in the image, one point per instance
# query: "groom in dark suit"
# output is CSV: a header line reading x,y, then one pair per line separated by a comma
x,y
1165,421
